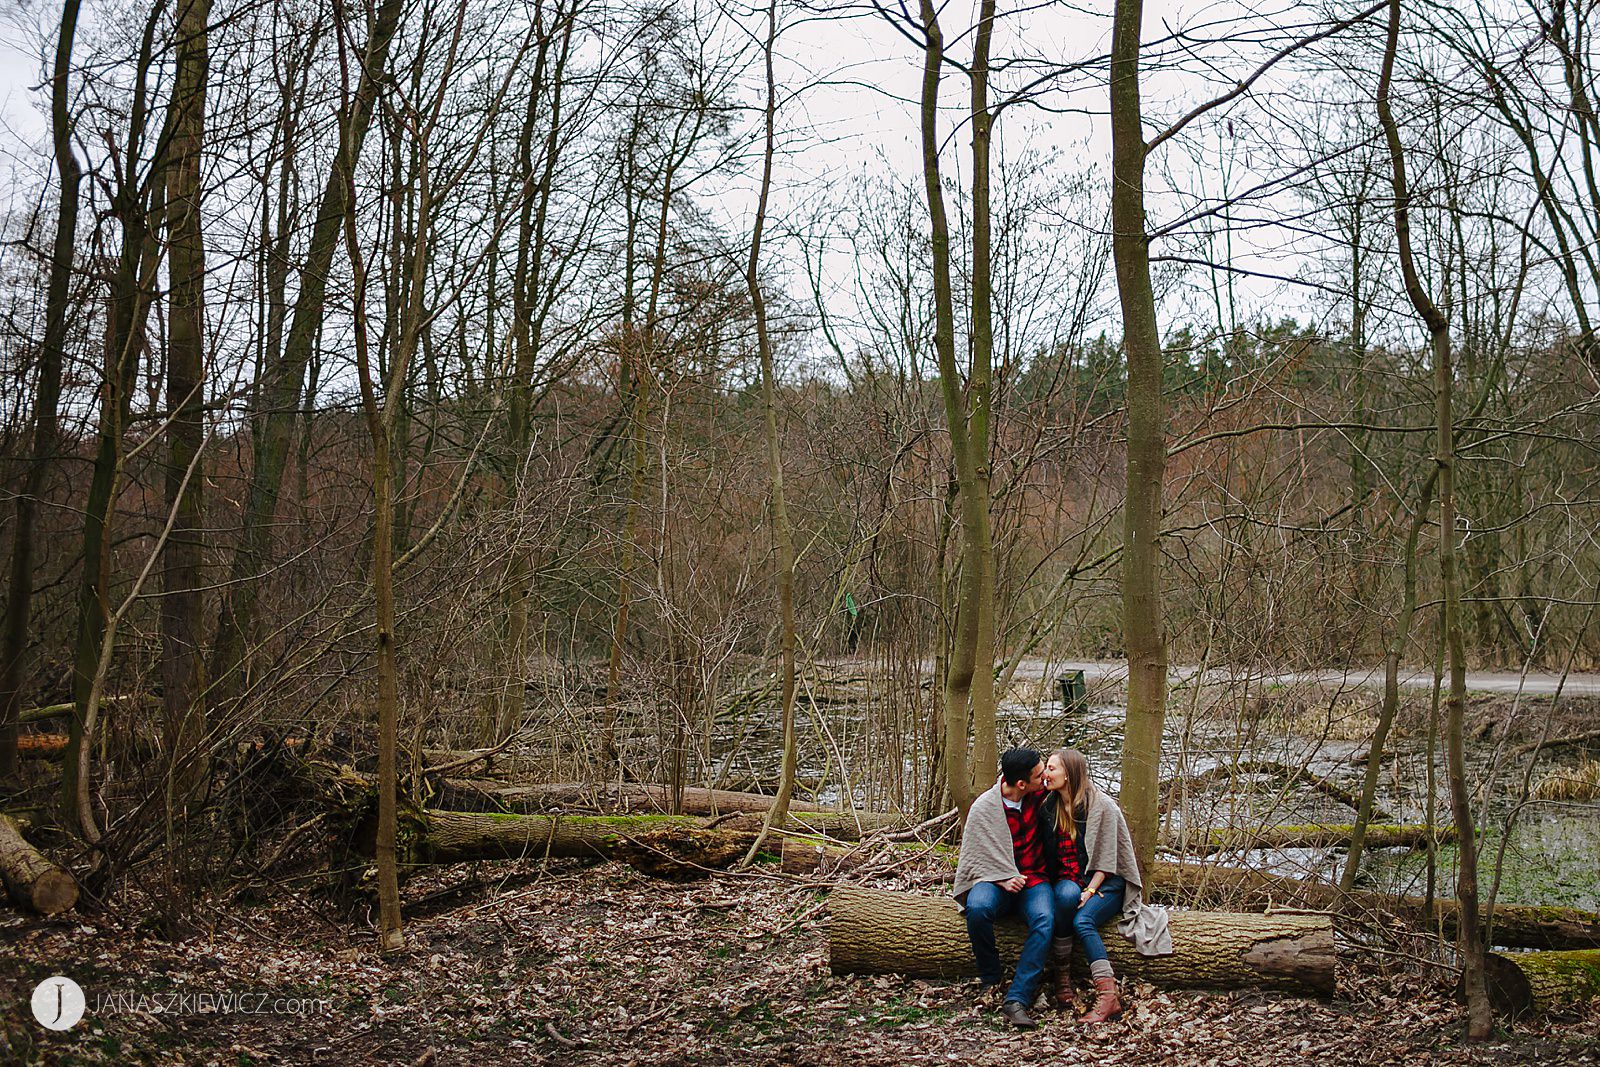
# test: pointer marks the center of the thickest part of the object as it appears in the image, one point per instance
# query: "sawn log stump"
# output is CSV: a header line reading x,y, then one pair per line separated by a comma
x,y
1530,983
33,881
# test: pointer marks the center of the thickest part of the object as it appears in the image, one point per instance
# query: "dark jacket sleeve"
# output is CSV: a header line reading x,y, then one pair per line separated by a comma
x,y
1052,845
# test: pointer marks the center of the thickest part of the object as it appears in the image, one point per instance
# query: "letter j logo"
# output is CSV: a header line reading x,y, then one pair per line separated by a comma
x,y
58,1002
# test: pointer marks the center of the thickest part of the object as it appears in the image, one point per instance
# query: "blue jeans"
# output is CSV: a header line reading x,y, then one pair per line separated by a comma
x,y
987,902
1085,920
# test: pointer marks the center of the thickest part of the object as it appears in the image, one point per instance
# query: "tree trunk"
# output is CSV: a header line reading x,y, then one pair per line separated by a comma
x,y
182,663
47,398
278,408
873,931
1391,691
959,671
32,880
529,305
782,532
135,201
985,747
1480,1020
1143,636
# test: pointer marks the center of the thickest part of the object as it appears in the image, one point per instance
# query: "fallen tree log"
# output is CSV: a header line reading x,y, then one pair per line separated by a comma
x,y
1589,739
31,879
697,800
873,931
454,836
1531,983
1321,835
1211,886
683,853
465,794
55,711
41,746
1515,925
488,762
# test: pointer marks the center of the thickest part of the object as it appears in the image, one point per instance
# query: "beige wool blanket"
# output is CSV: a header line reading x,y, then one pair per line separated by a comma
x,y
986,852
1110,849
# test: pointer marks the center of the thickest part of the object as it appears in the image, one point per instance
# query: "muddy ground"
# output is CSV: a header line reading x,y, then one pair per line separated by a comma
x,y
575,963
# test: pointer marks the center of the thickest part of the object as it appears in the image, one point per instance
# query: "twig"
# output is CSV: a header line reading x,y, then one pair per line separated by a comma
x,y
559,1038
903,835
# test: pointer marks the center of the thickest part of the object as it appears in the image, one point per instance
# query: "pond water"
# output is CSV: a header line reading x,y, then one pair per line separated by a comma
x,y
1551,857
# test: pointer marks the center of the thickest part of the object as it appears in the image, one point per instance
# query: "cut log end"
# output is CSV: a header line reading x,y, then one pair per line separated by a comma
x,y
53,892
32,880
1531,983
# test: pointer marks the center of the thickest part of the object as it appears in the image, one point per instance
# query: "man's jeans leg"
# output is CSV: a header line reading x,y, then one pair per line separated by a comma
x,y
1038,905
1096,911
986,902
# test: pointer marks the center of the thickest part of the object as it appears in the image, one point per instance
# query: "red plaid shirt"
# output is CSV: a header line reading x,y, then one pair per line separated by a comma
x,y
1069,858
1027,841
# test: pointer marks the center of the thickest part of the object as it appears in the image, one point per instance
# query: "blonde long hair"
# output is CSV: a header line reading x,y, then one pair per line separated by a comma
x,y
1076,794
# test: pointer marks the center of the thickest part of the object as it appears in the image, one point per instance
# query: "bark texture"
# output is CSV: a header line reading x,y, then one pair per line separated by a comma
x,y
1518,926
453,836
1143,631
33,881
1529,983
878,932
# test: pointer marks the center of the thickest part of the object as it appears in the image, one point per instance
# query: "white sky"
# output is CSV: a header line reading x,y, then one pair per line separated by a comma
x,y
864,116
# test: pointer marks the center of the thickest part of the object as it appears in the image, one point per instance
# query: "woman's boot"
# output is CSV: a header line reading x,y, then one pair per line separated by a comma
x,y
1106,1004
1061,954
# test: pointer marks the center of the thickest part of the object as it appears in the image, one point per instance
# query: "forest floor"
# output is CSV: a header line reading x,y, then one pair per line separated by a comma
x,y
576,963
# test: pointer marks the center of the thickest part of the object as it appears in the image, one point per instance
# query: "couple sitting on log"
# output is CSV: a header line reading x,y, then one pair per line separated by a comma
x,y
1045,842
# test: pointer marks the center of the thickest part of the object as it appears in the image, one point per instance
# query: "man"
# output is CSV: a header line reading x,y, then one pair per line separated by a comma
x,y
1002,872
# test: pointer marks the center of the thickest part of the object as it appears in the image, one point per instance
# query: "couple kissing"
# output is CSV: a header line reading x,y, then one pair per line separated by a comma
x,y
1048,845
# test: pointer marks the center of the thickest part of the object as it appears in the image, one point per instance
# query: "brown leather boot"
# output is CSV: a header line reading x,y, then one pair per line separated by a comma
x,y
1061,955
1106,1004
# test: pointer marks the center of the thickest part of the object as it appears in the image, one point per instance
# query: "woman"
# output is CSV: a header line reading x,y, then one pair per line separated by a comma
x,y
1096,878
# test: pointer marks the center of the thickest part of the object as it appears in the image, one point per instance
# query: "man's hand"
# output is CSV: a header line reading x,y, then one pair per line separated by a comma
x,y
1014,885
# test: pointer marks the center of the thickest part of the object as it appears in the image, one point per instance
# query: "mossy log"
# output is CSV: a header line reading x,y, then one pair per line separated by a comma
x,y
60,711
31,879
465,794
873,931
454,836
1318,835
1530,983
1514,925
